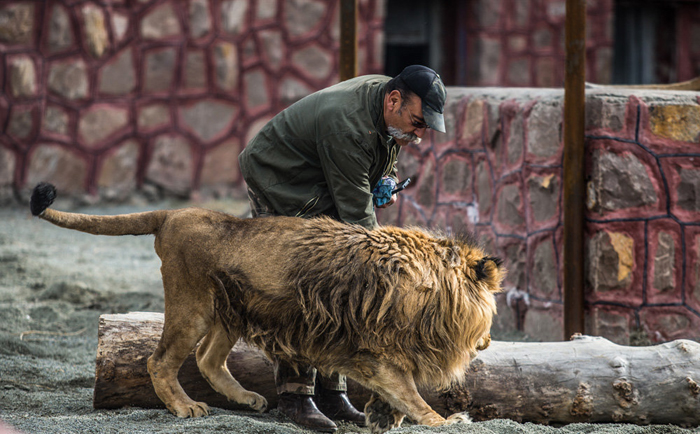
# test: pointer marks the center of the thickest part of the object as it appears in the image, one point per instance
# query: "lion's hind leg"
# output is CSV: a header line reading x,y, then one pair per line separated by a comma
x,y
211,360
380,416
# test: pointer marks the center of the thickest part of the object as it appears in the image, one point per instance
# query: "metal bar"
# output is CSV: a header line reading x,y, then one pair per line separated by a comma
x,y
574,181
348,39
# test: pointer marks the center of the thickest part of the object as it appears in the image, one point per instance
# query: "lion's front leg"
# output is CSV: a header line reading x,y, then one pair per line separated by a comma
x,y
398,396
380,416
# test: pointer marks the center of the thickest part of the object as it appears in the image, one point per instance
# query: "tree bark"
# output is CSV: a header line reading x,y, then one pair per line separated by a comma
x,y
588,379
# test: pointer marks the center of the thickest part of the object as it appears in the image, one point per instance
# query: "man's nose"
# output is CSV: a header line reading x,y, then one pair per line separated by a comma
x,y
419,132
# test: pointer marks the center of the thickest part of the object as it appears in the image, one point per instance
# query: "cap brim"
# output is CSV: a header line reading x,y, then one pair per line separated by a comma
x,y
435,120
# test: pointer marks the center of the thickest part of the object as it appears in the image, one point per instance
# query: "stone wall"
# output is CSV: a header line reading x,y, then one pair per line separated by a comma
x,y
498,171
112,99
107,98
520,43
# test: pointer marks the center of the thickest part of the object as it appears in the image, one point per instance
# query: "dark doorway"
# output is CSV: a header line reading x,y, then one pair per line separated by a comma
x,y
645,42
419,32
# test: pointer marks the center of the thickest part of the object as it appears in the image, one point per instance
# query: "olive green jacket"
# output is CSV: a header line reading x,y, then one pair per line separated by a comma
x,y
324,154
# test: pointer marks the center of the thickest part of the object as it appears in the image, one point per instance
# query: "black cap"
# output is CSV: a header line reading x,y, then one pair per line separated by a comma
x,y
427,84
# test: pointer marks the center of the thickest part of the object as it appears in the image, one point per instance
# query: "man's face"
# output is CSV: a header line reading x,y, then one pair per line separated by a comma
x,y
404,119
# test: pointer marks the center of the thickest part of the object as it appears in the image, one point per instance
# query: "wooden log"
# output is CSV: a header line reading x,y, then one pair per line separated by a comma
x,y
588,379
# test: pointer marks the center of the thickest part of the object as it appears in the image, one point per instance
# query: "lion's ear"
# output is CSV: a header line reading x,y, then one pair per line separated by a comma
x,y
486,267
450,256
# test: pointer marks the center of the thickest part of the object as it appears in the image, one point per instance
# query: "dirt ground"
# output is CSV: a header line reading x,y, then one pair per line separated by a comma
x,y
54,285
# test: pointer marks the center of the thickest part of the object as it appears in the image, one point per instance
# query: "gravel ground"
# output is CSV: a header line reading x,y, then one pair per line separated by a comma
x,y
54,285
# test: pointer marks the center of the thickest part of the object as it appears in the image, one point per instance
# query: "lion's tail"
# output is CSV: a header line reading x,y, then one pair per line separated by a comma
x,y
127,224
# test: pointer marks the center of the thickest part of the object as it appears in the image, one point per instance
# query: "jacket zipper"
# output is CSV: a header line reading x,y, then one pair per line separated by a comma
x,y
308,206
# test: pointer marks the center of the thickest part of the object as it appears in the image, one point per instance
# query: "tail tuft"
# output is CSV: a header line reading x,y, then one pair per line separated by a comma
x,y
42,197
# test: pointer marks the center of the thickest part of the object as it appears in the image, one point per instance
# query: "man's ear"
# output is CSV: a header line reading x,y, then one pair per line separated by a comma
x,y
394,100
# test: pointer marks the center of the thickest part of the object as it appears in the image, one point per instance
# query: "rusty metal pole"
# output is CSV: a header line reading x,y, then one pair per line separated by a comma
x,y
348,39
574,181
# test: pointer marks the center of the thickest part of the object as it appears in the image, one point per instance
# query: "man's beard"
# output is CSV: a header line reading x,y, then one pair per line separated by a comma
x,y
400,135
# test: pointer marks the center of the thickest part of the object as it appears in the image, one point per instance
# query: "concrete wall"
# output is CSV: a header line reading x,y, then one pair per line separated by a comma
x,y
498,171
110,98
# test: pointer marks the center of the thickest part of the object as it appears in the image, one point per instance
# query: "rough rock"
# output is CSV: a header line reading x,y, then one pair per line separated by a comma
x,y
7,167
509,207
120,25
233,16
543,130
60,30
544,271
200,21
676,122
226,65
221,164
516,139
292,90
117,180
195,70
170,166
273,47
689,190
484,188
22,74
302,16
55,120
118,77
457,178
544,196
619,182
610,261
160,23
473,119
255,90
59,166
152,117
159,70
94,29
664,263
21,123
100,122
314,60
68,78
17,23
208,119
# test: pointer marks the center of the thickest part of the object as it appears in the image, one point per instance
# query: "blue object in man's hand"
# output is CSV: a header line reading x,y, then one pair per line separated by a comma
x,y
383,191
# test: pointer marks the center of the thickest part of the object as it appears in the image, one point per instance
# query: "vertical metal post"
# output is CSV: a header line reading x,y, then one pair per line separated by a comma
x,y
348,39
574,181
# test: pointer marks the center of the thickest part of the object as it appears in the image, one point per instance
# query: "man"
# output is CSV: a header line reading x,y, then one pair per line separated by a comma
x,y
325,155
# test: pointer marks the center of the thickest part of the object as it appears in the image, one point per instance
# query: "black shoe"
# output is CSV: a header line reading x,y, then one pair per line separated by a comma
x,y
302,411
336,405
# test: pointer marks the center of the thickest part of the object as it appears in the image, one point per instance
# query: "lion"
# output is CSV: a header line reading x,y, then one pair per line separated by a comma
x,y
391,308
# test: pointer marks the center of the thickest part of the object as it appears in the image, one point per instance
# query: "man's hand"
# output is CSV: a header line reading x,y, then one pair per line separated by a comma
x,y
390,203
383,193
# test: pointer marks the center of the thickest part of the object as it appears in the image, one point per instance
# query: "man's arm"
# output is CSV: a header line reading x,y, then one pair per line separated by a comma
x,y
346,163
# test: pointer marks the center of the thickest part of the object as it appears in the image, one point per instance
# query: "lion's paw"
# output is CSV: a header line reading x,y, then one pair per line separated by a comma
x,y
484,342
194,409
257,402
458,418
381,417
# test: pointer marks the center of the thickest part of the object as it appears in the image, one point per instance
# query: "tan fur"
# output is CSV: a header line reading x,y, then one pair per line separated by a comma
x,y
390,308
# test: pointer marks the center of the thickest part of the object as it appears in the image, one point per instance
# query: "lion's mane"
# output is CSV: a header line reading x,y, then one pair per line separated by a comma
x,y
421,300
